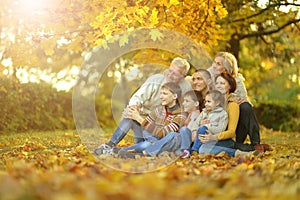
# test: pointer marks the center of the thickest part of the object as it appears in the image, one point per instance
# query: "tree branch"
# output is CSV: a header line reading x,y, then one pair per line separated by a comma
x,y
200,27
264,10
261,33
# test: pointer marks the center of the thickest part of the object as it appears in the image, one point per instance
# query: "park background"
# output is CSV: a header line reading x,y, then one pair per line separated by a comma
x,y
45,43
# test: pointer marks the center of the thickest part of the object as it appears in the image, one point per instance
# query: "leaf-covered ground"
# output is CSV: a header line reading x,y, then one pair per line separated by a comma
x,y
56,165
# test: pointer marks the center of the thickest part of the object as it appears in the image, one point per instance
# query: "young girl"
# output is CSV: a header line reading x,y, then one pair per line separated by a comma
x,y
213,118
168,117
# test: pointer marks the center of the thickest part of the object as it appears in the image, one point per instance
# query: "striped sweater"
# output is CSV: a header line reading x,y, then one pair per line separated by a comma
x,y
160,121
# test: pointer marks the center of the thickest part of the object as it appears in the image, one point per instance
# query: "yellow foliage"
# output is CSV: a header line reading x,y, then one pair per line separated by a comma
x,y
156,35
88,23
42,165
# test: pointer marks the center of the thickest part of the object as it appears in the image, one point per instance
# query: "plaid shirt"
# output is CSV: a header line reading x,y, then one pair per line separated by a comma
x,y
160,122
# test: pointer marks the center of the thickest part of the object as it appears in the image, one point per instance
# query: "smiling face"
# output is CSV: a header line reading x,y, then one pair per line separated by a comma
x,y
167,97
173,74
218,65
198,82
222,85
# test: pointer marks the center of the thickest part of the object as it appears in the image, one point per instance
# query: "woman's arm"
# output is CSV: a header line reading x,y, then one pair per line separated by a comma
x,y
233,110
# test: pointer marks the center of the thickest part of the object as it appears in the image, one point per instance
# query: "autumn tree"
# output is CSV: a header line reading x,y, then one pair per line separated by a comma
x,y
253,19
264,36
55,34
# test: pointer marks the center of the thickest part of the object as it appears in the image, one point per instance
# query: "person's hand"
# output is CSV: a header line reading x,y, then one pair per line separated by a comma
x,y
209,137
133,112
239,100
129,110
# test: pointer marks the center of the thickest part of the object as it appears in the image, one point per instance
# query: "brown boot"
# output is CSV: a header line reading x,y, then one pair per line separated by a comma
x,y
262,147
259,147
267,147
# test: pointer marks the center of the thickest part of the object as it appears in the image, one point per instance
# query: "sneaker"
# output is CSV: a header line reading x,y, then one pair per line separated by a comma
x,y
127,154
239,153
246,153
104,149
185,154
116,150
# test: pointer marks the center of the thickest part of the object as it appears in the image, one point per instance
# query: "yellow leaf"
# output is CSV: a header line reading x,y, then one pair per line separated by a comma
x,y
123,40
153,18
156,35
48,46
174,2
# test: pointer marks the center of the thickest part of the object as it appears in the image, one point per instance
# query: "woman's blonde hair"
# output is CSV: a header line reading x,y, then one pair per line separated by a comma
x,y
230,62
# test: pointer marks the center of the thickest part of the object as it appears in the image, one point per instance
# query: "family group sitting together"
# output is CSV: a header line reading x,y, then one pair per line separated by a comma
x,y
207,113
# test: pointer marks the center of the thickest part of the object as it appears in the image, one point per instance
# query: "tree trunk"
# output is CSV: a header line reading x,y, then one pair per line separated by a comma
x,y
234,46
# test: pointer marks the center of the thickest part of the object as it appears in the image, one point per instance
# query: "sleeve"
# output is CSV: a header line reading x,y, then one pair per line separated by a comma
x,y
146,91
149,121
233,111
196,123
241,90
192,121
219,124
177,122
160,126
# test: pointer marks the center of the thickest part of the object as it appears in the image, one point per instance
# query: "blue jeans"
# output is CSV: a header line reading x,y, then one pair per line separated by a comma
x,y
124,127
172,142
217,147
197,144
186,138
139,147
155,148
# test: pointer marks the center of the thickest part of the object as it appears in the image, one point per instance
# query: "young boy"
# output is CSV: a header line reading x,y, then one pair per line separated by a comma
x,y
213,117
146,98
168,117
178,142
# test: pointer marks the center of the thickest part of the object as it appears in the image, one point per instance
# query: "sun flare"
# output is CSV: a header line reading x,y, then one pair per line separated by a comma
x,y
32,6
